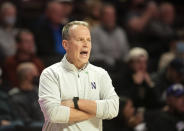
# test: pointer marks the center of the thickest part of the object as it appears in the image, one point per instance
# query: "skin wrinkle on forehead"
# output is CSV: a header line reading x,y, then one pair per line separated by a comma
x,y
72,29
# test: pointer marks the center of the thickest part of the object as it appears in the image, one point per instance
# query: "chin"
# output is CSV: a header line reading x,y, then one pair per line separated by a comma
x,y
84,61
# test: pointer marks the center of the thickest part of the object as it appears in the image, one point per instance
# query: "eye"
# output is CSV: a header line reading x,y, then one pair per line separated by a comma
x,y
89,40
80,39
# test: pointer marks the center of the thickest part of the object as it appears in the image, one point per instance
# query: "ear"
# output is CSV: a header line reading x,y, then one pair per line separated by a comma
x,y
65,44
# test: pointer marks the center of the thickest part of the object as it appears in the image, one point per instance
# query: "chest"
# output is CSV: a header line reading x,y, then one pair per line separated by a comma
x,y
80,84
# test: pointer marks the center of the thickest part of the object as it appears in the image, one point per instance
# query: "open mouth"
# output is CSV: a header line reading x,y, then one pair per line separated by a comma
x,y
84,53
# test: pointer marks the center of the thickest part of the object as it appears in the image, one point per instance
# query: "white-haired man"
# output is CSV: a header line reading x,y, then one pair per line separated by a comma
x,y
74,94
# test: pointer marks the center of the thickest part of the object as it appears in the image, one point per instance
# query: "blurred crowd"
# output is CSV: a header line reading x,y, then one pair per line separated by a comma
x,y
139,42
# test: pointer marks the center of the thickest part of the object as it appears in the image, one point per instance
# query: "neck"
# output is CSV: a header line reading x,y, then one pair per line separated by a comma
x,y
26,86
77,65
23,56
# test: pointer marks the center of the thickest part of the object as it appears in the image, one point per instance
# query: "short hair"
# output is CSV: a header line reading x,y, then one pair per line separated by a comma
x,y
23,69
20,32
6,5
66,28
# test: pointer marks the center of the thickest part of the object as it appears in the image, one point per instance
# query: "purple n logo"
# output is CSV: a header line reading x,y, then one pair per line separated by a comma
x,y
93,84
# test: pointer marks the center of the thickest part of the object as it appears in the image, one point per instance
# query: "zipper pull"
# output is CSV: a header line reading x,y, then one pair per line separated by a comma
x,y
78,76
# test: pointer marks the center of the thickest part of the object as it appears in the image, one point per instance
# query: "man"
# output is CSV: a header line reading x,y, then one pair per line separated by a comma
x,y
8,117
171,119
48,30
24,101
25,53
74,94
8,14
135,81
172,74
110,41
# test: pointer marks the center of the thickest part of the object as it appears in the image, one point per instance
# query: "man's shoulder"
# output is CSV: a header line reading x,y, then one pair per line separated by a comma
x,y
52,68
97,29
97,70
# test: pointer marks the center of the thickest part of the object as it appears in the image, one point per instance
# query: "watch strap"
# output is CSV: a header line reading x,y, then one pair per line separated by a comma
x,y
75,101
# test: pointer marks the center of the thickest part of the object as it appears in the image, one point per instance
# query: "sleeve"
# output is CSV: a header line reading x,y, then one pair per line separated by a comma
x,y
50,99
108,105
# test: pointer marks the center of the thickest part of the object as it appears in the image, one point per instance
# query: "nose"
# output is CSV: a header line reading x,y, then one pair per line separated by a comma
x,y
85,43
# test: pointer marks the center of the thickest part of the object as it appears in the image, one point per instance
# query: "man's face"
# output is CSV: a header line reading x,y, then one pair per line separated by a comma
x,y
167,14
140,64
56,13
78,47
177,103
27,43
109,17
174,76
9,16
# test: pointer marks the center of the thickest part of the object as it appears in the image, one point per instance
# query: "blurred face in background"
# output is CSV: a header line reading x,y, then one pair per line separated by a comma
x,y
109,17
32,73
139,64
27,44
137,2
95,9
152,6
176,103
174,76
8,14
167,13
67,9
55,12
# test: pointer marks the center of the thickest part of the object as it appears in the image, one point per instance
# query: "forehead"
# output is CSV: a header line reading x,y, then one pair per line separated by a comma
x,y
26,34
79,31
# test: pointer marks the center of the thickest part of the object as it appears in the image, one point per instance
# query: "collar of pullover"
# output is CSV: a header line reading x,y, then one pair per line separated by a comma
x,y
71,67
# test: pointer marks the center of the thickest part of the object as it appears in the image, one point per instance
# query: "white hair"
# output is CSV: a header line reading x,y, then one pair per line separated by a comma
x,y
137,52
66,28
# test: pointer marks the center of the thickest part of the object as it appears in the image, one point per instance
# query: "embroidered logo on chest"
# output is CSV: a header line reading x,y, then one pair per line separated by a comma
x,y
93,85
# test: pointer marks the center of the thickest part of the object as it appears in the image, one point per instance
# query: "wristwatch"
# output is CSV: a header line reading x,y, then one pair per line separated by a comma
x,y
75,101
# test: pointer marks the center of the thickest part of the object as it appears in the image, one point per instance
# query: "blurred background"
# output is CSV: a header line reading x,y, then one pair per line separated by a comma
x,y
139,42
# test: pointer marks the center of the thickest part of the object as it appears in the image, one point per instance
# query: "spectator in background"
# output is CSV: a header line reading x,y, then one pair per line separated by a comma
x,y
128,119
25,101
167,57
8,117
172,74
139,15
94,12
176,50
167,15
109,41
67,6
138,19
172,118
48,30
25,53
135,82
7,29
159,33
